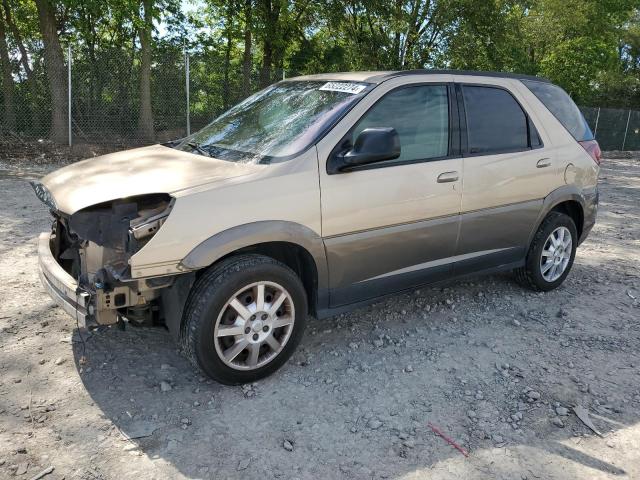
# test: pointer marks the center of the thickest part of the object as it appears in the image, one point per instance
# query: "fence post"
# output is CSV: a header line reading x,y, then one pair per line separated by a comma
x,y
624,140
69,92
186,70
595,131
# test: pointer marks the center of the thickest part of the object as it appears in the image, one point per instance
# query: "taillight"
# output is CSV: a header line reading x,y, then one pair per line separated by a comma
x,y
593,149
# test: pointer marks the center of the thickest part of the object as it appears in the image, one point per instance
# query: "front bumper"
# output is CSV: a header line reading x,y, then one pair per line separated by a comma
x,y
61,286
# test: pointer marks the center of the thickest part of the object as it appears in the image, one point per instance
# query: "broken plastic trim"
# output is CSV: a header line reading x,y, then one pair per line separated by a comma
x,y
120,224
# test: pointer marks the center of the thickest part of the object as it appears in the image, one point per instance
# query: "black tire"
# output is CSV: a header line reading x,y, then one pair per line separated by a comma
x,y
531,274
208,297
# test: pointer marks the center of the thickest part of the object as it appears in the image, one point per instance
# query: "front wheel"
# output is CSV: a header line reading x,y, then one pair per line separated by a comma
x,y
550,254
244,319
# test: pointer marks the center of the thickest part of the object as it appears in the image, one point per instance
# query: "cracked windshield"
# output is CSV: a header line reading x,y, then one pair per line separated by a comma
x,y
276,123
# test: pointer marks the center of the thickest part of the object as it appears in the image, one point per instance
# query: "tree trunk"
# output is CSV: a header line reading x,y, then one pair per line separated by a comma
x,y
226,87
56,72
8,91
271,14
145,117
267,60
246,57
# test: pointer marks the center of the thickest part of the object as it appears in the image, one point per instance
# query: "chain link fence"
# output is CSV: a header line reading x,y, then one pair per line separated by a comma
x,y
187,92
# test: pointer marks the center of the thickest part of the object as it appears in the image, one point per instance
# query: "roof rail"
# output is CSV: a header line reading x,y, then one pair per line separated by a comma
x,y
477,73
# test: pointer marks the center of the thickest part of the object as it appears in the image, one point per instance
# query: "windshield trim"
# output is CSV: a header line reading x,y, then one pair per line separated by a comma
x,y
271,159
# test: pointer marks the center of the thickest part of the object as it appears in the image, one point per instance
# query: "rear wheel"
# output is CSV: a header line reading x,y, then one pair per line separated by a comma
x,y
551,253
244,319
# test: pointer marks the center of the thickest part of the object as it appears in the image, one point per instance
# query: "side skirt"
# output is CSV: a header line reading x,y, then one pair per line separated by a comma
x,y
330,312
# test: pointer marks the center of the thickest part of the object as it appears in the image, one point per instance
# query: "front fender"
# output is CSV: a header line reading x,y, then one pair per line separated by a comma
x,y
255,233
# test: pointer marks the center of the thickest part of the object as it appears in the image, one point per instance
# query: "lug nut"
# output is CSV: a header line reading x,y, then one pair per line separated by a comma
x,y
265,328
255,336
247,330
253,317
264,316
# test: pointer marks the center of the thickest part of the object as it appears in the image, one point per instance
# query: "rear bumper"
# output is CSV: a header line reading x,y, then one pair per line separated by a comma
x,y
61,286
590,213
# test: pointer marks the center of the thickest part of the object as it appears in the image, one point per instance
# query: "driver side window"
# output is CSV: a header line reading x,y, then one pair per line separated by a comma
x,y
420,115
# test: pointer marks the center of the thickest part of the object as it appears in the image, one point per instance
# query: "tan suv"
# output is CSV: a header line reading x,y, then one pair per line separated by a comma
x,y
317,195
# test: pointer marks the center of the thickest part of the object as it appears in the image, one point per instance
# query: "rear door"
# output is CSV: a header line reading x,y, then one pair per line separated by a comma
x,y
508,170
392,225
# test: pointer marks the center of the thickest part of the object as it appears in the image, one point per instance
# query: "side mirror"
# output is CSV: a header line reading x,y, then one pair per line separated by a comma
x,y
374,144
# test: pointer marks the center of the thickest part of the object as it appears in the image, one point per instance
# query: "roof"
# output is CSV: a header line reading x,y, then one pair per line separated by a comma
x,y
381,76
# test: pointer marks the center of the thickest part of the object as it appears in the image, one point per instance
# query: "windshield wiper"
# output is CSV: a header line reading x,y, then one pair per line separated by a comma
x,y
198,148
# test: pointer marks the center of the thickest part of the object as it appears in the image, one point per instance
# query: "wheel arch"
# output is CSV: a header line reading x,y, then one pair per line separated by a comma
x,y
293,244
568,200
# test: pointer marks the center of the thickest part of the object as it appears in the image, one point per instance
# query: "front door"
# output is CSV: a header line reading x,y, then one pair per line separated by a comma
x,y
394,224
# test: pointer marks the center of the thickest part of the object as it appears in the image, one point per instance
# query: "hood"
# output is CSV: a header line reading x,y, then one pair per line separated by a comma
x,y
154,169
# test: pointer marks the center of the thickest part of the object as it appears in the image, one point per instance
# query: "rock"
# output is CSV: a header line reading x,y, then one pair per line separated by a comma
x,y
471,414
374,424
378,342
353,345
562,412
172,445
408,369
243,464
557,421
59,361
185,421
22,468
165,386
533,395
498,439
287,445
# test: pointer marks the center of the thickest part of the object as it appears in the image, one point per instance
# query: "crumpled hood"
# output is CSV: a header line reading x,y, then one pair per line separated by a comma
x,y
154,169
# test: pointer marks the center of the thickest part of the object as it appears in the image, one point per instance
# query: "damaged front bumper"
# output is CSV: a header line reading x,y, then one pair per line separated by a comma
x,y
61,286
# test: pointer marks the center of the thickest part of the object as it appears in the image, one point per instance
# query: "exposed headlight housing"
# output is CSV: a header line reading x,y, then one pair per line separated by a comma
x,y
149,222
44,195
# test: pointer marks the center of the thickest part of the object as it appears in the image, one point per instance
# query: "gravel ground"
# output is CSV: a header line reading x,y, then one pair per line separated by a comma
x,y
496,368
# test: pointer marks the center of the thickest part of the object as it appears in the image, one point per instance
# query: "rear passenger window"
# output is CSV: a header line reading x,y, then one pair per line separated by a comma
x,y
495,121
420,115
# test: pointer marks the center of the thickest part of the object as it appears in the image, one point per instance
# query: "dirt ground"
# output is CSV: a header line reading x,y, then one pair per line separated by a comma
x,y
494,367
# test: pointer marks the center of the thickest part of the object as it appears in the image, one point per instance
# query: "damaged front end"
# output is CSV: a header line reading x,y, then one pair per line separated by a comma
x,y
94,246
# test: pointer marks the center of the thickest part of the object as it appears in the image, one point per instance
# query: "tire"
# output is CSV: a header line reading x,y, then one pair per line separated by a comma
x,y
533,274
221,336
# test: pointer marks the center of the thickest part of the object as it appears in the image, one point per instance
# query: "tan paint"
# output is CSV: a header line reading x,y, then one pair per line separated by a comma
x,y
154,169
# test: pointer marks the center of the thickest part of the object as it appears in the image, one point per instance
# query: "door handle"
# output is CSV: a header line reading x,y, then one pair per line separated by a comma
x,y
447,177
543,162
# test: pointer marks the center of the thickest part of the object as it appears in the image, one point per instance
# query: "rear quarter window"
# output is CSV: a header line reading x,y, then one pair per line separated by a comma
x,y
559,103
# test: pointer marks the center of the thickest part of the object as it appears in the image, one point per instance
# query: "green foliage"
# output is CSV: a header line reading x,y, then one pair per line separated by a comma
x,y
590,47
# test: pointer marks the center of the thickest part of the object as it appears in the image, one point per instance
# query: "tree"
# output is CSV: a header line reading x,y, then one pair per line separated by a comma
x,y
24,59
246,55
145,118
8,93
56,74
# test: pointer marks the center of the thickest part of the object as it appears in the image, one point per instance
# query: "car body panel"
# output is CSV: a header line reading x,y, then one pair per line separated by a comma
x,y
285,192
154,169
379,220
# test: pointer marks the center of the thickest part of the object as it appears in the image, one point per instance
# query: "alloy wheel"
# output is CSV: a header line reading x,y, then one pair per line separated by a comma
x,y
556,254
254,325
